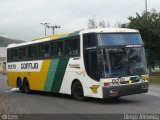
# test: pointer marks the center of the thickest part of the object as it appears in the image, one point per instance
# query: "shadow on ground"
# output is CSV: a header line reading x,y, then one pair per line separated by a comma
x,y
122,100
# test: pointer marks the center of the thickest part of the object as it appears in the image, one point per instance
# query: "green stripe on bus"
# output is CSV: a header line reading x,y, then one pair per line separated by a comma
x,y
57,81
51,74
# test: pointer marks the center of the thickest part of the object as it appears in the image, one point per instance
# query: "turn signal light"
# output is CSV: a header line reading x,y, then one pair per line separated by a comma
x,y
106,84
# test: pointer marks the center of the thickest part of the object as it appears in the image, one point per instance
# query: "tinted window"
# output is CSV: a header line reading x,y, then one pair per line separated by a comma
x,y
90,40
54,49
76,46
46,50
14,54
32,52
68,47
60,48
23,53
43,50
120,39
8,54
72,47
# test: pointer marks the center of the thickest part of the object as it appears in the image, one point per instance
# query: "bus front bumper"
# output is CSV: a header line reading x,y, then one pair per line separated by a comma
x,y
124,90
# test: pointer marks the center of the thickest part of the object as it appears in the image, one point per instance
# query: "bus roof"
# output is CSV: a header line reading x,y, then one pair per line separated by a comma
x,y
109,30
76,33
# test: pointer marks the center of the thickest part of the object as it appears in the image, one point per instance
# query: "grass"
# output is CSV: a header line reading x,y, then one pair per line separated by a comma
x,y
154,79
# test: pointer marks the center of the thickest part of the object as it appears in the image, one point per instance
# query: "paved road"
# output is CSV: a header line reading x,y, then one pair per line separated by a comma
x,y
11,101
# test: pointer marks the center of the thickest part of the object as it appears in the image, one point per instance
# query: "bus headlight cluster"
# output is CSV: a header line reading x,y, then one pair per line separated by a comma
x,y
106,84
144,78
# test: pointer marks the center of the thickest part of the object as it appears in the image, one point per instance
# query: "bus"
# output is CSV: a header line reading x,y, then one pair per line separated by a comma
x,y
97,63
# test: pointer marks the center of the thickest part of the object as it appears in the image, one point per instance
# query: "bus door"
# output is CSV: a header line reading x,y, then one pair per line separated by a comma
x,y
94,67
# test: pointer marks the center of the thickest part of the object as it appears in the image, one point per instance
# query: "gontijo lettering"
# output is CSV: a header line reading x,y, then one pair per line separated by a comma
x,y
29,66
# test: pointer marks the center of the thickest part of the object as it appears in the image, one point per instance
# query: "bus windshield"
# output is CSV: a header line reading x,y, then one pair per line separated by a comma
x,y
120,39
118,55
120,62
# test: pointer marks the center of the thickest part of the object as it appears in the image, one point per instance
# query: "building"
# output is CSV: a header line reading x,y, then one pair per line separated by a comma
x,y
4,42
2,58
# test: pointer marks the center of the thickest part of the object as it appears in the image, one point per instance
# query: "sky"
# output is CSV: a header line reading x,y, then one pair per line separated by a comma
x,y
20,19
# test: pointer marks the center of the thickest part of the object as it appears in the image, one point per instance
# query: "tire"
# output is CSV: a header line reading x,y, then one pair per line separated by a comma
x,y
77,91
26,86
20,85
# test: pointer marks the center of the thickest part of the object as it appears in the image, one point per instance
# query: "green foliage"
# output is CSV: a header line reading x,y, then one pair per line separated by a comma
x,y
149,26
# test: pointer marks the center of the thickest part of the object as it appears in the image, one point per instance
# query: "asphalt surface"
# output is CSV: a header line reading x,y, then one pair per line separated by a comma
x,y
13,102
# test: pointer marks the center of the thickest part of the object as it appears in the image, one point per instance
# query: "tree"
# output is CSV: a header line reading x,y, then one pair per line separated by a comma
x,y
101,24
92,23
149,26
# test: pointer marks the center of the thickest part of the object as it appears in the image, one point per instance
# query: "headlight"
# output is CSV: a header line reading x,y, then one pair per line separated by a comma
x,y
145,78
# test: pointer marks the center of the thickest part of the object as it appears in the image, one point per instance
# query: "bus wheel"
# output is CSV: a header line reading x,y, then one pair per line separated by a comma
x,y
77,91
20,85
26,86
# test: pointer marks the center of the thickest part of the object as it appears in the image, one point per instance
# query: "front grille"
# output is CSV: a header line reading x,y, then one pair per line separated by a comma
x,y
135,81
127,82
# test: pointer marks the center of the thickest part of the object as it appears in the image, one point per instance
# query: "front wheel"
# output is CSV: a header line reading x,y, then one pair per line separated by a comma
x,y
77,91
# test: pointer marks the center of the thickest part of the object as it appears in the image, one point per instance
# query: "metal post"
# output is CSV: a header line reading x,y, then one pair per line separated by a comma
x,y
146,6
146,9
146,12
45,25
53,30
53,27
45,30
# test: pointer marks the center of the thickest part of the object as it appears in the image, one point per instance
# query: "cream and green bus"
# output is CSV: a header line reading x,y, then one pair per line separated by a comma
x,y
98,63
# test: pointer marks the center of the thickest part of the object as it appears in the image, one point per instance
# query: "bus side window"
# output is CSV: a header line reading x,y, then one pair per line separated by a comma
x,y
32,52
20,53
60,48
9,55
40,50
12,53
15,54
46,48
72,47
23,54
76,46
54,49
68,47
